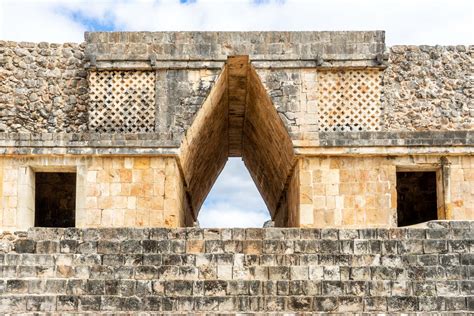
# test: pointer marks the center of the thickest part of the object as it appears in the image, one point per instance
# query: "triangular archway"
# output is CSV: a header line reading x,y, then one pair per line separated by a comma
x,y
234,200
239,119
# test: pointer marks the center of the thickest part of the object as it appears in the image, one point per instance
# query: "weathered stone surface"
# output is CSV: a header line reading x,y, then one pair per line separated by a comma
x,y
228,280
429,88
44,87
212,46
211,95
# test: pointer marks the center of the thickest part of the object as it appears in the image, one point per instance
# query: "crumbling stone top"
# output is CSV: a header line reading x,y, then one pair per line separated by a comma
x,y
366,46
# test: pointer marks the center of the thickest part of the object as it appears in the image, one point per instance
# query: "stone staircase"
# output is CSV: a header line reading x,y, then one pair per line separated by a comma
x,y
227,271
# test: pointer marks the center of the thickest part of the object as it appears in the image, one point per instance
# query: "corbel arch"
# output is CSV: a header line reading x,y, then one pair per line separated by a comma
x,y
238,119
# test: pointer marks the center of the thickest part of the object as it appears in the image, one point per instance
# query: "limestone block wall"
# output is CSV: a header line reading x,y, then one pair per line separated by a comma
x,y
461,204
347,191
288,211
267,148
44,87
132,192
429,88
267,271
110,191
361,191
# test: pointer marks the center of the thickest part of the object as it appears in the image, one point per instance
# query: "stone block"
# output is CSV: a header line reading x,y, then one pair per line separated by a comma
x,y
47,246
41,303
375,304
108,247
146,272
402,303
278,273
66,303
435,246
455,303
132,303
68,246
25,246
11,304
326,304
89,303
178,288
300,303
16,286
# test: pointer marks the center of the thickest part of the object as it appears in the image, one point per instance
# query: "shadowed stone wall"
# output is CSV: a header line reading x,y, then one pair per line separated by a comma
x,y
99,271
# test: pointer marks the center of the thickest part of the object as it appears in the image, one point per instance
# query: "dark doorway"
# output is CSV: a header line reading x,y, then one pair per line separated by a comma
x,y
55,199
416,197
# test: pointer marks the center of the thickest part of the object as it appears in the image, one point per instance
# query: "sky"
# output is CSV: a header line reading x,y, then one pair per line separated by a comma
x,y
234,200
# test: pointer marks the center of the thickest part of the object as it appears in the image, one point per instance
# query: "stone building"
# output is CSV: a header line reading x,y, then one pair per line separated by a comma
x,y
114,144
132,129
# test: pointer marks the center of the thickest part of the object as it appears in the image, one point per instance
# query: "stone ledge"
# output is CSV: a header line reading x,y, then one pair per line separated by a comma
x,y
155,143
387,139
87,144
421,230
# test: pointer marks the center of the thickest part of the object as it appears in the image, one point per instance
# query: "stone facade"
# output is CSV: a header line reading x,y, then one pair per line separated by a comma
x,y
357,192
110,191
229,271
322,120
325,122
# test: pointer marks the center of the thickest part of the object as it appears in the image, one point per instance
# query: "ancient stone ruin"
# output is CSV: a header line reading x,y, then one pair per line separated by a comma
x,y
362,153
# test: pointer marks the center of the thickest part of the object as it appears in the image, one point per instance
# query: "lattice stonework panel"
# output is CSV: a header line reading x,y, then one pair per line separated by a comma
x,y
122,101
349,100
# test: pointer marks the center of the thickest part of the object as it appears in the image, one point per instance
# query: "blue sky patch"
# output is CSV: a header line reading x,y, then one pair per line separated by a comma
x,y
91,24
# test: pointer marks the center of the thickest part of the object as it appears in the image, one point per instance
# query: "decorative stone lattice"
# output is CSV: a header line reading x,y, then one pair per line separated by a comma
x,y
122,101
349,100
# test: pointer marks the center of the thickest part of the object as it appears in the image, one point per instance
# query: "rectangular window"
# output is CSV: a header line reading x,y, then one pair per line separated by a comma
x,y
416,197
55,199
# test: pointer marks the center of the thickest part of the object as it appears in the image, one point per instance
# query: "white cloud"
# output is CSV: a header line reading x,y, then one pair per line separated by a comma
x,y
406,21
234,200
37,21
227,215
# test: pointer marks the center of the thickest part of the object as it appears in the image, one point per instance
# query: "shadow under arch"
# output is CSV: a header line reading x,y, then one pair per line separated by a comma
x,y
238,119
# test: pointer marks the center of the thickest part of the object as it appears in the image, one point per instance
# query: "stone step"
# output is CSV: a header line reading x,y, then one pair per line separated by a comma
x,y
422,260
430,230
180,287
183,304
190,272
176,246
100,271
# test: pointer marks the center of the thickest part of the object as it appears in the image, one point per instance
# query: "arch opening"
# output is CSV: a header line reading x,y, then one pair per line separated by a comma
x,y
238,119
234,200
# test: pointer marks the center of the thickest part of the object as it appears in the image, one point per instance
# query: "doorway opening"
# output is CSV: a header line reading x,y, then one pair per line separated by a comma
x,y
55,199
416,197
